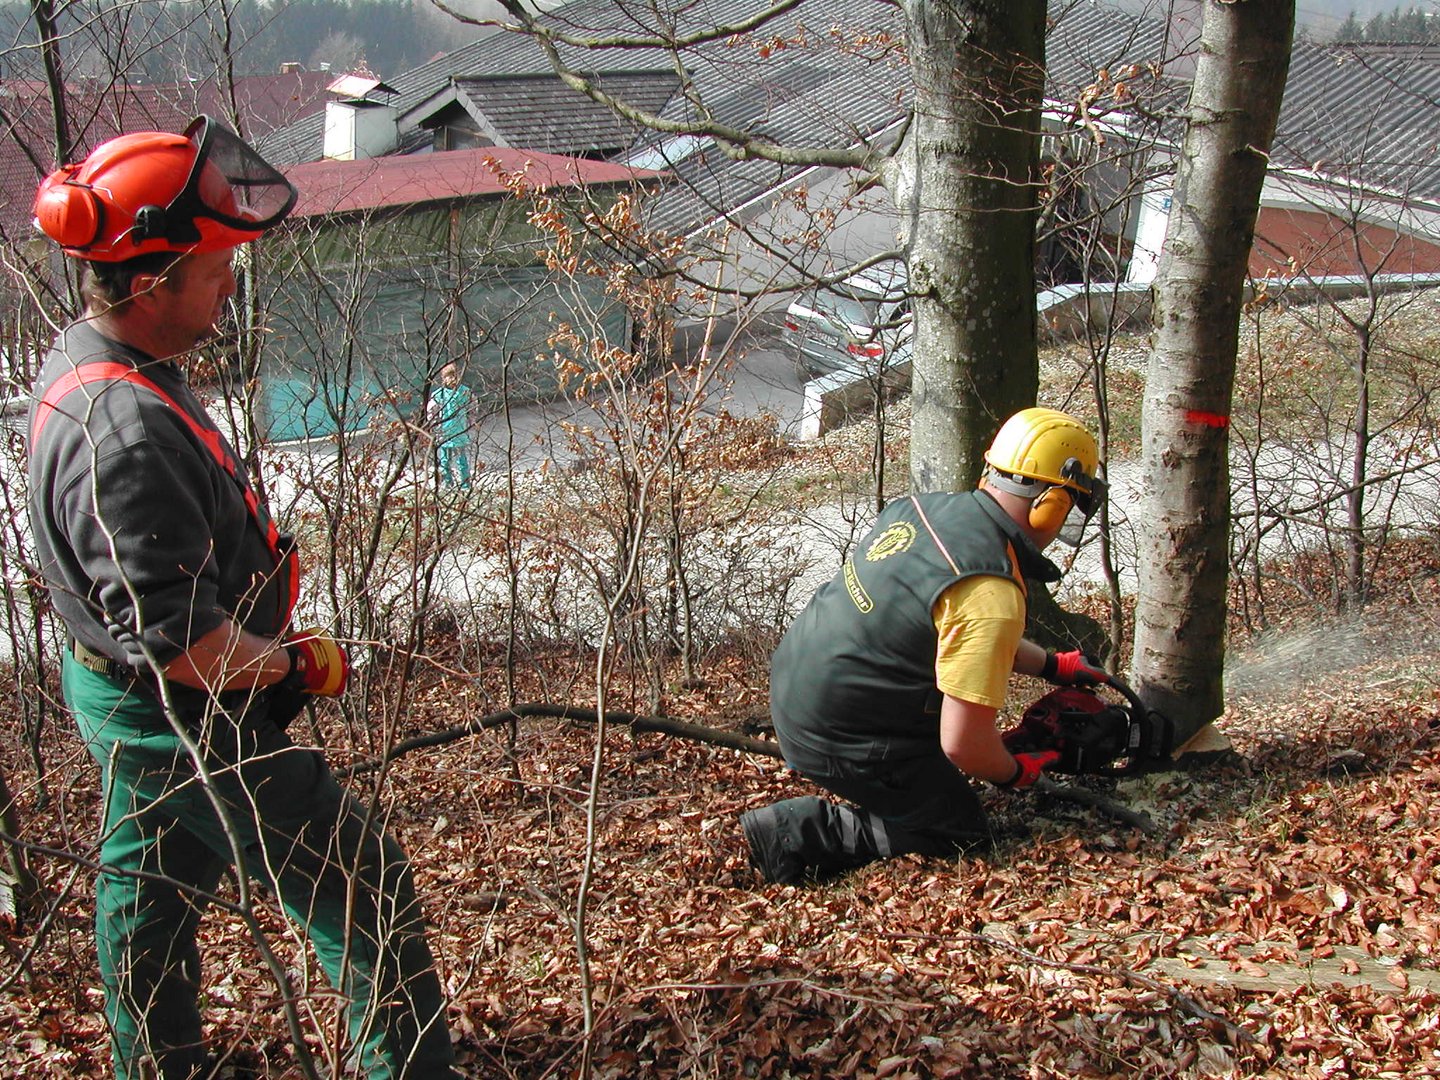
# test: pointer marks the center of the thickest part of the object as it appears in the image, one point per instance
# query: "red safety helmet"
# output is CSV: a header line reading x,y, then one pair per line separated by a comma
x,y
155,191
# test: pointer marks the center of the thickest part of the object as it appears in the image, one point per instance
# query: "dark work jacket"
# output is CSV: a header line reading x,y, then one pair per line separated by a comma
x,y
126,505
854,676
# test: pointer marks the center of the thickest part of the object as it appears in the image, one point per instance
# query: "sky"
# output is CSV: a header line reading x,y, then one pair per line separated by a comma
x,y
1320,17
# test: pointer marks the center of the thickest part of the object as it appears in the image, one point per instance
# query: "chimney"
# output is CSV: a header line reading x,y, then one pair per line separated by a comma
x,y
290,67
358,129
356,126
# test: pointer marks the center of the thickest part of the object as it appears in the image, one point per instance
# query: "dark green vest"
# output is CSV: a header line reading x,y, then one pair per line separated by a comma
x,y
854,676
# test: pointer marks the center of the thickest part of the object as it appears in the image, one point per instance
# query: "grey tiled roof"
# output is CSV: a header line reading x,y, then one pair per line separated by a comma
x,y
1360,115
841,95
812,78
539,112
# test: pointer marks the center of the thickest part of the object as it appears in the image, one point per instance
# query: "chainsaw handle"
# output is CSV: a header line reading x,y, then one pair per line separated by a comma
x,y
1121,687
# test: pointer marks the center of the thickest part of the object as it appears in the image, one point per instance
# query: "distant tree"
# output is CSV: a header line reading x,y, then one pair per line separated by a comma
x,y
339,51
393,35
1417,25
1399,26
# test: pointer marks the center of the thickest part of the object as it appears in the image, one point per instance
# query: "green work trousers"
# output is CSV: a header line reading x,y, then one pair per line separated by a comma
x,y
338,877
454,459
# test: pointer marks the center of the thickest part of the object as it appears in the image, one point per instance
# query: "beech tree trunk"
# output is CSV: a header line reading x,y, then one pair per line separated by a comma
x,y
1180,617
965,183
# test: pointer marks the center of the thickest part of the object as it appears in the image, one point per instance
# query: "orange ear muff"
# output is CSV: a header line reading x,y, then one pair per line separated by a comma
x,y
70,214
1050,509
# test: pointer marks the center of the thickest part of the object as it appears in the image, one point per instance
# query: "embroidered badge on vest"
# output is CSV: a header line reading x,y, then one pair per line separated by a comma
x,y
892,541
856,590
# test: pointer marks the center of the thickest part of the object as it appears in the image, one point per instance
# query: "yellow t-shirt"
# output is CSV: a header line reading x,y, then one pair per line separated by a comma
x,y
980,620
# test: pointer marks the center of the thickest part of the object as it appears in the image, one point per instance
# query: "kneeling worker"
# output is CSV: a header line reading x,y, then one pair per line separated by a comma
x,y
885,689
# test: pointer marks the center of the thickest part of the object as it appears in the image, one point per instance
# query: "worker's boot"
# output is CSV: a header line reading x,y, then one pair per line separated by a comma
x,y
810,837
769,854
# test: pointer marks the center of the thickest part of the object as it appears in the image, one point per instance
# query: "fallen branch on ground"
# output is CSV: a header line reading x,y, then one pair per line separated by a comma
x,y
668,725
1137,819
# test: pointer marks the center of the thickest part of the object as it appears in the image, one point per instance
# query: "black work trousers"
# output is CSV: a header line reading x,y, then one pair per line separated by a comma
x,y
919,804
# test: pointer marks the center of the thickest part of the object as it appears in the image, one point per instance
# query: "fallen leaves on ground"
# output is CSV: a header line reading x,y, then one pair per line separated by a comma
x,y
1076,949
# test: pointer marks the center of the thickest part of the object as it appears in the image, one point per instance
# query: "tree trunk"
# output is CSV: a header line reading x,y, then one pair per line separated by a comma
x,y
1180,614
965,184
43,14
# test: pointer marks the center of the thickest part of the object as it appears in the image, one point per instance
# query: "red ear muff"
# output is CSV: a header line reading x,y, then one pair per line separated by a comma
x,y
69,213
1050,509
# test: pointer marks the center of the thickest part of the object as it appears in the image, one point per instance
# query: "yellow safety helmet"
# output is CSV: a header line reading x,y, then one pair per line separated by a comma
x,y
1038,450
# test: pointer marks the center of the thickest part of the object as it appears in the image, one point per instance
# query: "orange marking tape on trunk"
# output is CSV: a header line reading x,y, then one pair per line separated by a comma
x,y
1208,419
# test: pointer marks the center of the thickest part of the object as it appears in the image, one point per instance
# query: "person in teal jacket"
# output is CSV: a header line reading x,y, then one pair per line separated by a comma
x,y
451,414
884,691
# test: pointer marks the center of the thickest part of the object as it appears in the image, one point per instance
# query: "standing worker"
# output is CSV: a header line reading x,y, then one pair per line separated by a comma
x,y
885,689
451,414
177,590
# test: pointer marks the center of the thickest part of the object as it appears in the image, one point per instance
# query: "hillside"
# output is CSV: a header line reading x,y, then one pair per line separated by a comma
x,y
1278,917
1281,921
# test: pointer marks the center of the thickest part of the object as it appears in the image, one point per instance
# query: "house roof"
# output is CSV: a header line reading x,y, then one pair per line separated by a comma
x,y
1362,115
1349,114
830,91
646,74
540,112
340,187
831,73
102,110
823,75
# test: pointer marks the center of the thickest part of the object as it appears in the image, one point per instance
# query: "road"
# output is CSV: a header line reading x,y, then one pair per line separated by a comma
x,y
757,375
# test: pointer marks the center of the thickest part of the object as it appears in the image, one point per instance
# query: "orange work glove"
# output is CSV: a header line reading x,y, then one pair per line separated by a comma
x,y
318,665
1028,768
1072,668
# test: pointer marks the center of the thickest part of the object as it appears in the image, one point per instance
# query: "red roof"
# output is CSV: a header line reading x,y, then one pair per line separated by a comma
x,y
337,187
101,110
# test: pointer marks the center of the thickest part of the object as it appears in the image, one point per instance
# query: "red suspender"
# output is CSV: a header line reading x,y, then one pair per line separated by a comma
x,y
286,560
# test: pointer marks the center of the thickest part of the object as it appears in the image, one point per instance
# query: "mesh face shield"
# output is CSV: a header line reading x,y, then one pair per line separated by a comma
x,y
1086,494
229,183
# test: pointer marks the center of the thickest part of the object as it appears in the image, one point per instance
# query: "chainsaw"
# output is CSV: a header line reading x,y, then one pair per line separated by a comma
x,y
1092,733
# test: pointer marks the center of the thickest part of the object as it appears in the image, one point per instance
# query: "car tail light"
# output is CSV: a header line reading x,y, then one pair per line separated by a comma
x,y
870,351
791,324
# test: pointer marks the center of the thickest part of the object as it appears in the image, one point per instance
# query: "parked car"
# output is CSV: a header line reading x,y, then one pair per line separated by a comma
x,y
861,324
